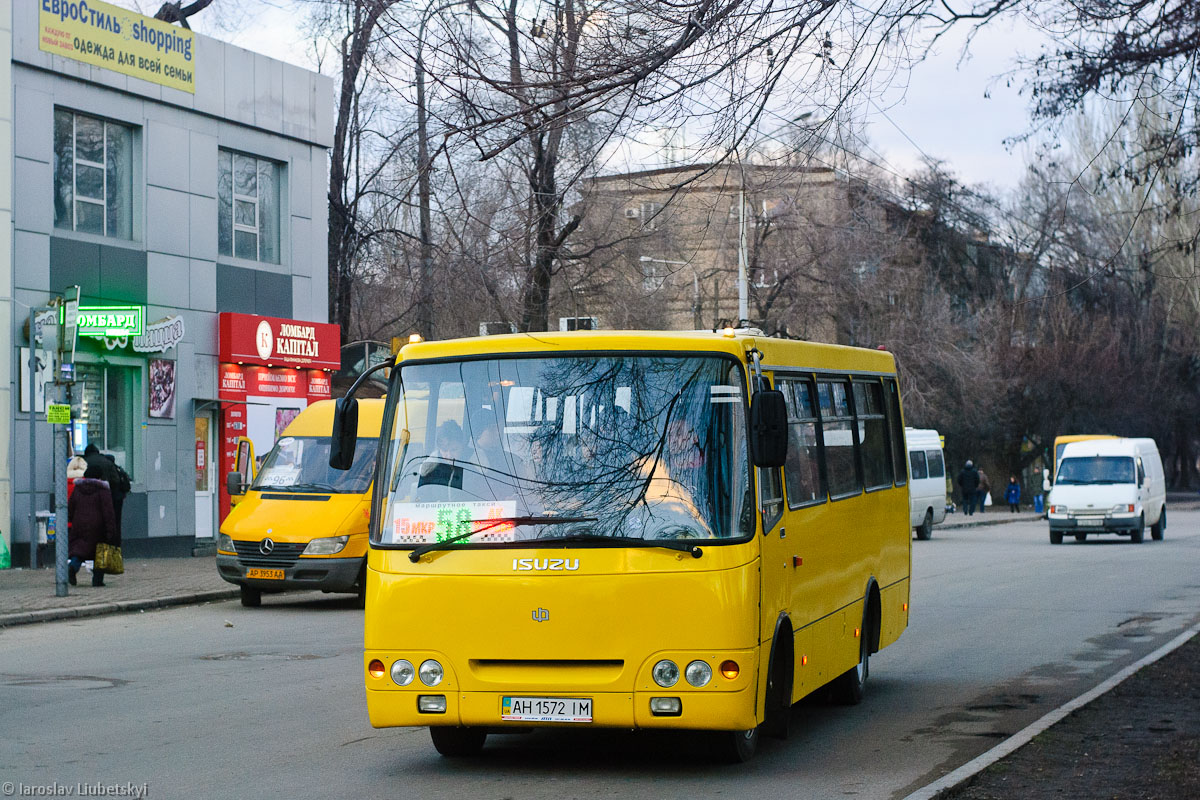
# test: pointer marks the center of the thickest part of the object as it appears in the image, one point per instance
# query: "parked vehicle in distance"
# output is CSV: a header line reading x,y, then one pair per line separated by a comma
x,y
927,480
302,524
1108,486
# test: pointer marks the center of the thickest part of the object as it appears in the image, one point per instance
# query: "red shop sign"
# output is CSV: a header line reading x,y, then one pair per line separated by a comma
x,y
271,341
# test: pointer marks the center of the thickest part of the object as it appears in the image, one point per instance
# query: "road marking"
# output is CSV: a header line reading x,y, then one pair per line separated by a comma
x,y
1023,737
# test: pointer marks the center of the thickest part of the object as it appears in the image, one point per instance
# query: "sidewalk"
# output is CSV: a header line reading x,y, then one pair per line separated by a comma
x,y
27,596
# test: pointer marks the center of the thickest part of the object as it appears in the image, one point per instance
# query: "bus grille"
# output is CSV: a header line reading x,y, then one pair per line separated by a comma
x,y
283,555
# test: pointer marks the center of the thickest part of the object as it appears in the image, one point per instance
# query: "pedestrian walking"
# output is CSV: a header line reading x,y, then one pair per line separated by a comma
x,y
968,485
92,522
1012,494
985,489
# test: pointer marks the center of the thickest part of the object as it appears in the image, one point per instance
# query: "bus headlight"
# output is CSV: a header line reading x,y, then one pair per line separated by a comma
x,y
431,673
225,543
403,672
698,673
666,673
325,546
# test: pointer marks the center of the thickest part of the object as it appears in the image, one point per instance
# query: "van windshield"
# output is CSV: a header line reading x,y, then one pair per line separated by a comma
x,y
301,464
621,449
1097,469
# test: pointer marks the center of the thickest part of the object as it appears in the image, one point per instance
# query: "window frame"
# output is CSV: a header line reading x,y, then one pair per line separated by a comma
x,y
815,420
889,463
103,203
256,200
846,380
912,466
895,417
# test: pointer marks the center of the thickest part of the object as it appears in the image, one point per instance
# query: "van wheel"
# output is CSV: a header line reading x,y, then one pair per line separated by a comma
x,y
737,747
1139,533
1055,537
1158,529
457,742
361,599
251,597
1081,537
925,531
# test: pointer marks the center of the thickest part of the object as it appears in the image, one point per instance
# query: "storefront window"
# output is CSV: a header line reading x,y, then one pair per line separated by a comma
x,y
107,408
248,207
93,175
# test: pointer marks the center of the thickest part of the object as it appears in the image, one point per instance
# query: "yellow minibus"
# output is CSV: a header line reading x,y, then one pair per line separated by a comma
x,y
301,524
638,530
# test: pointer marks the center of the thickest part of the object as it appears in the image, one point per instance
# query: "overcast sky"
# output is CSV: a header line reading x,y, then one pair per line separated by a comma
x,y
939,108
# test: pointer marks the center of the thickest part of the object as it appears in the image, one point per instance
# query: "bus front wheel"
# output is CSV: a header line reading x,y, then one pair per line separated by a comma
x,y
251,597
738,747
456,742
848,688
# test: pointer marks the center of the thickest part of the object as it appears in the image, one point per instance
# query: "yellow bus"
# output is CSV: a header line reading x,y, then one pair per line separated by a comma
x,y
639,530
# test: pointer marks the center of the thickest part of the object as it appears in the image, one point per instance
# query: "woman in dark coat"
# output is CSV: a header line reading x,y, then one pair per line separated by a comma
x,y
90,511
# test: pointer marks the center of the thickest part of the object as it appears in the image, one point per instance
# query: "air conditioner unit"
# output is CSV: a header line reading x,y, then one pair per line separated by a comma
x,y
631,213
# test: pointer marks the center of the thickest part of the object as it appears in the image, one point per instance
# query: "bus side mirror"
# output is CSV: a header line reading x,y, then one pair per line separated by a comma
x,y
768,428
344,438
234,485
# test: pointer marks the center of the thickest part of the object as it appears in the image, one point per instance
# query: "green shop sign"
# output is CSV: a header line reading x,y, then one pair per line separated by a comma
x,y
109,321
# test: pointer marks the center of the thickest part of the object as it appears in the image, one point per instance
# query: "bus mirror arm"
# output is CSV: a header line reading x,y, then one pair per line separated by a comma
x,y
234,484
344,437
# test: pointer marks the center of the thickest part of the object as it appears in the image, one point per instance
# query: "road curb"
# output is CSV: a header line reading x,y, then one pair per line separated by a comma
x,y
997,519
100,609
1025,735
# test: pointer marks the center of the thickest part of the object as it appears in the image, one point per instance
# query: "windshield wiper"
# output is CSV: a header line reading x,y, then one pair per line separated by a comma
x,y
306,487
416,554
670,544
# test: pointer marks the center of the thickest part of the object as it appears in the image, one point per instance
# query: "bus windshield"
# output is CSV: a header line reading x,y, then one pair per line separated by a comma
x,y
1096,469
607,450
301,464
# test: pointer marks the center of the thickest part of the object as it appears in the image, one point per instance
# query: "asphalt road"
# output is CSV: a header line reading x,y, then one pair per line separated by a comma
x,y
219,701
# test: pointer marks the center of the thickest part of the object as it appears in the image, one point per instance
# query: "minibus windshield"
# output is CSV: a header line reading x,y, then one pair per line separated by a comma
x,y
301,464
1096,469
602,450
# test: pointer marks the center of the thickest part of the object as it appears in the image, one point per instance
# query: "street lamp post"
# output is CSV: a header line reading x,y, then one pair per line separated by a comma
x,y
695,284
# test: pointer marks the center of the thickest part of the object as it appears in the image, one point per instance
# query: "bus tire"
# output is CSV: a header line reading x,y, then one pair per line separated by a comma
x,y
1055,537
1139,533
738,747
1159,529
457,742
925,530
850,686
1081,537
777,718
251,597
361,598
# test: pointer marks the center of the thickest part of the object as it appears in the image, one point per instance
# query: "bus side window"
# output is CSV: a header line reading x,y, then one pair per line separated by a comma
x,y
896,424
838,434
802,472
873,435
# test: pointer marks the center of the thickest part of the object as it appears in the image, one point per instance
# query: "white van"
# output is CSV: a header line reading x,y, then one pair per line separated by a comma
x,y
927,480
1108,486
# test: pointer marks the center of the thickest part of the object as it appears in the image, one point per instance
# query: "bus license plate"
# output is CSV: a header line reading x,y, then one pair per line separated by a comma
x,y
1095,523
546,709
265,574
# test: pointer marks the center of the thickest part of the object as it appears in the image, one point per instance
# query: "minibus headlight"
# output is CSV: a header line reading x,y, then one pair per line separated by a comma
x,y
666,673
326,546
1123,508
225,543
431,673
698,673
1058,509
403,672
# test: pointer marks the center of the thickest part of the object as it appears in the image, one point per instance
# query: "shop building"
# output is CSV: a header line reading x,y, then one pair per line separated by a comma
x,y
180,182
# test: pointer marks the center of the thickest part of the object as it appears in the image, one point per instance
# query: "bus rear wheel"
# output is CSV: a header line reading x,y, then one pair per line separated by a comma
x,y
738,747
849,687
457,742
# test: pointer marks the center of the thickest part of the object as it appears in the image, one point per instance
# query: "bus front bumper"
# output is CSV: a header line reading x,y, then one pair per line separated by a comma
x,y
699,709
1109,524
324,574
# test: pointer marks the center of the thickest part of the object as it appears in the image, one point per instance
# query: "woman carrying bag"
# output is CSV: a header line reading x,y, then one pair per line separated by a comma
x,y
93,527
